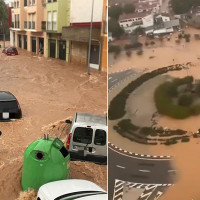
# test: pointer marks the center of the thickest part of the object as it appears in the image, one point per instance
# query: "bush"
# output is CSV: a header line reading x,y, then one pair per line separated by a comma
x,y
178,41
152,42
185,100
146,44
129,8
164,102
128,53
170,141
185,139
133,46
114,49
180,36
140,52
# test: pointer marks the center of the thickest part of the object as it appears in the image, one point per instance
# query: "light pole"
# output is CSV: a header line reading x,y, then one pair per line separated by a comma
x,y
90,38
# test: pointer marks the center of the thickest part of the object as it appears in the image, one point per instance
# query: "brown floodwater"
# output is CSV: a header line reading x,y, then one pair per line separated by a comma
x,y
49,91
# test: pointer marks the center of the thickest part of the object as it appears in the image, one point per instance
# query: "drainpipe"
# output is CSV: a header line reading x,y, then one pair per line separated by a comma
x,y
89,50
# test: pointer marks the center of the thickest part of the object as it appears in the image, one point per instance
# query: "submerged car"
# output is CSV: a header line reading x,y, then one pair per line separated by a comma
x,y
87,139
10,51
9,106
71,189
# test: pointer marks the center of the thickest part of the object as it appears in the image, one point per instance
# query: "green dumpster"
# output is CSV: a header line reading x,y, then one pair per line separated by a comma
x,y
45,160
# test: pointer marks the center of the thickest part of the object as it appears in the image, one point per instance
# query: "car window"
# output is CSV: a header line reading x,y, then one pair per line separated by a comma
x,y
8,105
83,135
100,137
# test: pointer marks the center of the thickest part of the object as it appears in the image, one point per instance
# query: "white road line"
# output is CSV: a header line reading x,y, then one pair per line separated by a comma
x,y
120,166
143,170
143,158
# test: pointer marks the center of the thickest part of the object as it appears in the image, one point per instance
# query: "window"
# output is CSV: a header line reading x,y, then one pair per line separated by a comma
x,y
25,3
8,105
100,137
49,22
54,20
83,135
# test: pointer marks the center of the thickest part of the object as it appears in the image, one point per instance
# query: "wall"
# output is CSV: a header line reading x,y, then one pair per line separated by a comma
x,y
81,11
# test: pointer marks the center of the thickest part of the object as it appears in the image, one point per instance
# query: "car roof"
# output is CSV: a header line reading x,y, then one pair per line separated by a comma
x,y
6,96
90,119
56,189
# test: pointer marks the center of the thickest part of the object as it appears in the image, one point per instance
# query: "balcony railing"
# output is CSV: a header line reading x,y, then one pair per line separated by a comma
x,y
33,25
25,24
12,24
43,25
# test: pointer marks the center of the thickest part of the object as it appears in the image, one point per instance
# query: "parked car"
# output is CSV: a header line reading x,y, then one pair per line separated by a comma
x,y
70,190
10,51
9,106
87,139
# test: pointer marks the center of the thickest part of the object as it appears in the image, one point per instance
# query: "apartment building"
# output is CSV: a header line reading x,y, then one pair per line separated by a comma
x,y
58,15
78,33
26,30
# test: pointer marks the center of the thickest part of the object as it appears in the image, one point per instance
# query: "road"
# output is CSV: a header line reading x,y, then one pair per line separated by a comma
x,y
116,78
138,170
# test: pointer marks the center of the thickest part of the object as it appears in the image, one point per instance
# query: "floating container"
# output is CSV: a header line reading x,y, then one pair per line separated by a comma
x,y
45,160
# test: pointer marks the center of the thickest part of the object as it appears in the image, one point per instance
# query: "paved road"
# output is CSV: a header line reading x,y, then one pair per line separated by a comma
x,y
137,170
115,78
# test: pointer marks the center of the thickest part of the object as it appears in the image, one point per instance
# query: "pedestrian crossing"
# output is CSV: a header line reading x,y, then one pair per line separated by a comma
x,y
149,189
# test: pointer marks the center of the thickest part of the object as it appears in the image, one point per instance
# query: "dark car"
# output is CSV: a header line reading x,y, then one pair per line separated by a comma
x,y
9,106
11,51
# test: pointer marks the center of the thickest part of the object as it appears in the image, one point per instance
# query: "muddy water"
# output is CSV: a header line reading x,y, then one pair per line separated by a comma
x,y
48,91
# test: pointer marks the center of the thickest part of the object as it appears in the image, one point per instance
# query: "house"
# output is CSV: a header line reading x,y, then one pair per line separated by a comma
x,y
150,6
26,31
78,32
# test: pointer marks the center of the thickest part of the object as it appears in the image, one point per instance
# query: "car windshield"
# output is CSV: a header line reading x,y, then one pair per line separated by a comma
x,y
8,105
83,135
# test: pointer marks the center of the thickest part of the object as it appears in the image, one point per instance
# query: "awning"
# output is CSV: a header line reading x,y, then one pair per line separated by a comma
x,y
80,34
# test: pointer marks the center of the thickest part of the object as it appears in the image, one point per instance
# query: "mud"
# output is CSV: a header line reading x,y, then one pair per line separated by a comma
x,y
48,90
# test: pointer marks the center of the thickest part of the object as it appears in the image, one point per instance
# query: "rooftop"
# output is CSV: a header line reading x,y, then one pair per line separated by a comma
x,y
133,15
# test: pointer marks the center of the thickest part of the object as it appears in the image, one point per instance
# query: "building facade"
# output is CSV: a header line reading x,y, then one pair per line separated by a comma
x,y
79,31
26,30
58,15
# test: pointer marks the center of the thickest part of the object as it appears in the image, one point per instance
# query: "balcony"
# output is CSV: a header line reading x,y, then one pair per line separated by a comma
x,y
43,25
33,25
25,25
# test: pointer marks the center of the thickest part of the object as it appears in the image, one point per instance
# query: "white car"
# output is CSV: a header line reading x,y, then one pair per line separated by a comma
x,y
70,190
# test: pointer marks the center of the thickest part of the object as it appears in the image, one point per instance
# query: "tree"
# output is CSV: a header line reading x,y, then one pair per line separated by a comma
x,y
114,28
129,8
183,6
3,16
115,12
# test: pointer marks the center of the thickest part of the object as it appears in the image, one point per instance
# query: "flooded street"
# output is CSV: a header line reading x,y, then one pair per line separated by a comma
x,y
48,91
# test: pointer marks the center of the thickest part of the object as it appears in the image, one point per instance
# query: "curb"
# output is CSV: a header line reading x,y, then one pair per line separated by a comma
x,y
137,155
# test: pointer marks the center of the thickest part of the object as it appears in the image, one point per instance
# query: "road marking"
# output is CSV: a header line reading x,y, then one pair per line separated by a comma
x,y
114,80
157,159
143,170
120,166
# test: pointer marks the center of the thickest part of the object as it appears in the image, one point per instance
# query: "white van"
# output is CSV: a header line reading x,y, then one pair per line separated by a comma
x,y
87,139
71,189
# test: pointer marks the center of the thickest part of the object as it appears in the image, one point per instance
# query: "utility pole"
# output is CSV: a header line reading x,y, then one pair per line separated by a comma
x,y
90,38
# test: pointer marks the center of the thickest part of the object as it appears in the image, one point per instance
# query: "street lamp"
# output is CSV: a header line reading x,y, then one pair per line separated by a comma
x,y
90,38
